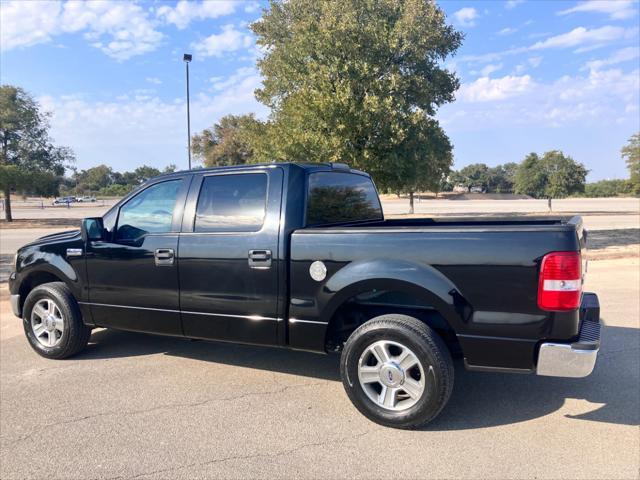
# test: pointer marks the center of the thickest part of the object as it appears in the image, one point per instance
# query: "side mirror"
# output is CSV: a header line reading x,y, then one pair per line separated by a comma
x,y
92,229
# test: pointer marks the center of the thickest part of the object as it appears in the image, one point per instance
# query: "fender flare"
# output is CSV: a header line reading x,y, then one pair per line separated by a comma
x,y
418,280
54,265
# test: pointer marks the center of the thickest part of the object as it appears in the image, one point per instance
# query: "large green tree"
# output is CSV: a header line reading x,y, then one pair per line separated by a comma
x,y
28,159
474,175
565,176
631,154
554,175
228,142
357,81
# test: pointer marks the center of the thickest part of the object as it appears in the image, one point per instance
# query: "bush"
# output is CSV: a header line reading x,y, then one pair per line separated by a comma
x,y
115,190
607,188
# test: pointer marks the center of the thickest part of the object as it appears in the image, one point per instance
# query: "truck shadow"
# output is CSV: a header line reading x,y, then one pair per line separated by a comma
x,y
611,394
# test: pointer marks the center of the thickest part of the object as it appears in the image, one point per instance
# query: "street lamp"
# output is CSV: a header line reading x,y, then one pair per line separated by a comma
x,y
187,58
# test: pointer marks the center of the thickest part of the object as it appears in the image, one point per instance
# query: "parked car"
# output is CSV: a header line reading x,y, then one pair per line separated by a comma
x,y
64,200
86,198
477,190
300,256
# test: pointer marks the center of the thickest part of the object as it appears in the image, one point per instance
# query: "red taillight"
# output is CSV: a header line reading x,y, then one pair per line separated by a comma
x,y
560,283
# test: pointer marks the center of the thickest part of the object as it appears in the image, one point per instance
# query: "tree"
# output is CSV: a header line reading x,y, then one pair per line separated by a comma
x,y
631,154
555,175
608,188
228,142
28,159
354,82
95,178
531,178
564,175
501,178
426,160
474,175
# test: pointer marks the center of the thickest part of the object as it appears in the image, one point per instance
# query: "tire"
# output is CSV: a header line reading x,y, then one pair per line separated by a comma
x,y
402,404
63,321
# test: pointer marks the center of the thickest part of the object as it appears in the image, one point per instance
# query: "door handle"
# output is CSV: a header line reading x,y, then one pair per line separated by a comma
x,y
260,258
164,256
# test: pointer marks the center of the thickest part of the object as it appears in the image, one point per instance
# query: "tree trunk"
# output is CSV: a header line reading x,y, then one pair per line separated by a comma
x,y
7,205
411,203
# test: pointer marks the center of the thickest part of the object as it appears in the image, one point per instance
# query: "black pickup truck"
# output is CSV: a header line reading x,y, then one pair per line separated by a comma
x,y
300,256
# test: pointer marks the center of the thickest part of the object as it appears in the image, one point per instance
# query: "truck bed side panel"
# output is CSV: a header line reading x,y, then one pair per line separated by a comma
x,y
495,272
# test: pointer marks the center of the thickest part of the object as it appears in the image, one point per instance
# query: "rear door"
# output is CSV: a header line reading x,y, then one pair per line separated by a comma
x,y
133,274
228,255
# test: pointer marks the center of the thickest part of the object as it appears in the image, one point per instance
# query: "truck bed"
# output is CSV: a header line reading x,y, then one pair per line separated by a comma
x,y
487,269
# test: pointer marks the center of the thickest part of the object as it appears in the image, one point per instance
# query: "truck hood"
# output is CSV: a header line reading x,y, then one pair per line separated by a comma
x,y
56,237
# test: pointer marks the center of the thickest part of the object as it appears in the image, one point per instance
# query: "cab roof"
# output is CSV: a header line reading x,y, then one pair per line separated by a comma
x,y
320,166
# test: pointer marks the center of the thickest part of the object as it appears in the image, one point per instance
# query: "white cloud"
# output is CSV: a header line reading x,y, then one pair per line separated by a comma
x,y
120,29
620,56
601,97
252,7
616,9
240,75
485,89
23,24
466,16
532,62
582,36
507,31
535,61
510,4
154,80
148,128
489,69
230,40
186,11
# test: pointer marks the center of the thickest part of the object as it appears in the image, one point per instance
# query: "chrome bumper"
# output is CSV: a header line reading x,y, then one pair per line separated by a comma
x,y
571,359
15,305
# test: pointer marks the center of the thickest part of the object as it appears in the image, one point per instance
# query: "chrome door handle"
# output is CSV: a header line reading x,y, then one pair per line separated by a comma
x,y
260,258
164,256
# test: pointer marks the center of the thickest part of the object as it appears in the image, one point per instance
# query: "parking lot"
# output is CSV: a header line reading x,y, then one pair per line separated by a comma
x,y
144,406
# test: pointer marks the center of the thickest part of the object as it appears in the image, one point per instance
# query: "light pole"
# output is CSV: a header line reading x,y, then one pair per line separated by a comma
x,y
187,58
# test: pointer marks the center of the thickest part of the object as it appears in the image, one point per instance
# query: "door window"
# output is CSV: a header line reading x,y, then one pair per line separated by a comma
x,y
151,211
232,203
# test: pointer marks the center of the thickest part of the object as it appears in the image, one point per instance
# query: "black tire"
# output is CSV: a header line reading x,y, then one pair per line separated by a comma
x,y
75,335
430,351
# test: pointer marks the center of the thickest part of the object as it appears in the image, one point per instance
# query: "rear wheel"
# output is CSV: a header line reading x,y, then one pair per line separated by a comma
x,y
53,323
397,371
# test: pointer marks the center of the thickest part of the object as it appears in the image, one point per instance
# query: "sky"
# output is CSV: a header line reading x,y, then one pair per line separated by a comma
x,y
535,76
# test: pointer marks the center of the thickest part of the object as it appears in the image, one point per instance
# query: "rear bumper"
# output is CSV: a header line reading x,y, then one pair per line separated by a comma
x,y
575,359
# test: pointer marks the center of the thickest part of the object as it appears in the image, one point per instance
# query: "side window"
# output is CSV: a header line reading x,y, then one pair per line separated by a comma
x,y
335,198
232,203
151,211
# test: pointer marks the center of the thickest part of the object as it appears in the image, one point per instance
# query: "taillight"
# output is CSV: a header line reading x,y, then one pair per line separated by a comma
x,y
560,283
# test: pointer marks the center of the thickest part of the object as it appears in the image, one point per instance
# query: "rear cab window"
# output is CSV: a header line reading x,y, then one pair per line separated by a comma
x,y
335,198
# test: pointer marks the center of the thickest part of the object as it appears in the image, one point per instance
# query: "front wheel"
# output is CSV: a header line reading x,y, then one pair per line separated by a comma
x,y
397,371
53,323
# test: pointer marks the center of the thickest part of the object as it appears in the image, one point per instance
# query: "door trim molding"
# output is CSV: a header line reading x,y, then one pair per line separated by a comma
x,y
247,317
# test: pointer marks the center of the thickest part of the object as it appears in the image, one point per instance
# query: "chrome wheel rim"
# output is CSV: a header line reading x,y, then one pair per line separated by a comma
x,y
391,375
47,323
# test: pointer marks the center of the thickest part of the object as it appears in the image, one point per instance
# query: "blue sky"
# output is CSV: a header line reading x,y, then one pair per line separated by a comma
x,y
536,76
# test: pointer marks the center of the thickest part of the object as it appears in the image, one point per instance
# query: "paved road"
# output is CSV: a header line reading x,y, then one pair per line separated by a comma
x,y
138,406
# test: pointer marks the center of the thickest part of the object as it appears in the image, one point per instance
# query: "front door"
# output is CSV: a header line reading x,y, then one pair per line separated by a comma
x,y
133,274
228,254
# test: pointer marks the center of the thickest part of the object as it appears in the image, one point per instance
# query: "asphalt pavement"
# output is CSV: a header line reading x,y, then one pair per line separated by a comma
x,y
143,406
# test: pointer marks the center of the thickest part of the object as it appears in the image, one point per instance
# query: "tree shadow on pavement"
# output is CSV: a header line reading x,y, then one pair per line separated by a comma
x,y
479,399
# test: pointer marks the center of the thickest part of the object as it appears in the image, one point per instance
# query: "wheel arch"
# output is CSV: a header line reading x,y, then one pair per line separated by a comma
x,y
426,286
39,276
